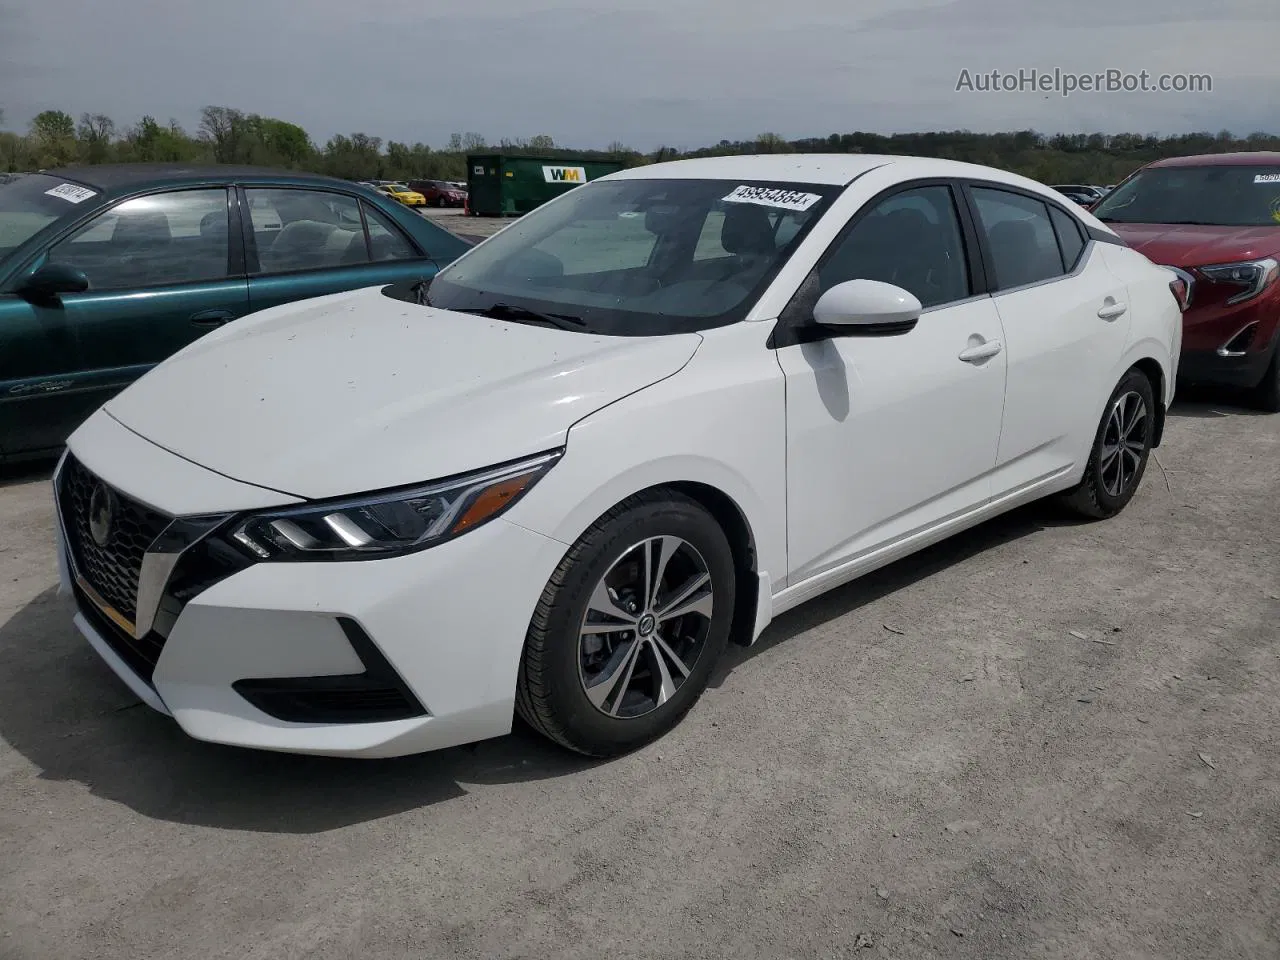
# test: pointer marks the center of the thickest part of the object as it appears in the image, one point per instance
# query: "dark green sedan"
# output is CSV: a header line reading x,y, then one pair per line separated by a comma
x,y
107,270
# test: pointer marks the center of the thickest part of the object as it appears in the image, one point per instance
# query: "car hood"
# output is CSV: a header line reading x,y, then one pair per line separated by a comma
x,y
1187,245
360,391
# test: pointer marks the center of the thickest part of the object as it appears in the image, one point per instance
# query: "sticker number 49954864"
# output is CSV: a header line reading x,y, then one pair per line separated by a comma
x,y
773,197
71,192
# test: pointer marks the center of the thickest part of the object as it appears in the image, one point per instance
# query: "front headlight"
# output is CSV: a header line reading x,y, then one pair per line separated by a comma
x,y
1254,275
390,523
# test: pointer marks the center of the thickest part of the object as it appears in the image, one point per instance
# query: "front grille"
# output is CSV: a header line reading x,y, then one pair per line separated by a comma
x,y
112,570
140,655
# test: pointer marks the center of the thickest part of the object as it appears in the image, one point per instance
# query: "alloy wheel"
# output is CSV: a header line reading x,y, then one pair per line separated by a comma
x,y
1124,442
645,627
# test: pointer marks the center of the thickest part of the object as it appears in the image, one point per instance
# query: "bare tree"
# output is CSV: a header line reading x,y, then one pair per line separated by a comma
x,y
224,129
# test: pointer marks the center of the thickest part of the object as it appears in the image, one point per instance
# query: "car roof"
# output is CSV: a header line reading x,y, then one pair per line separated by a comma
x,y
835,169
1248,158
125,176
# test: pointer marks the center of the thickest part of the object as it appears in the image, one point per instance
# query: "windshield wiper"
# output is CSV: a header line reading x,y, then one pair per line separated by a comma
x,y
510,311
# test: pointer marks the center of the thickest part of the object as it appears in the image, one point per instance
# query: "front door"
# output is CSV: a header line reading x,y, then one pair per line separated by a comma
x,y
161,272
890,435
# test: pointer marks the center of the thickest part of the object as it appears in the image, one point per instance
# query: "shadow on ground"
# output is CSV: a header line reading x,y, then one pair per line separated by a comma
x,y
1023,522
1206,403
26,472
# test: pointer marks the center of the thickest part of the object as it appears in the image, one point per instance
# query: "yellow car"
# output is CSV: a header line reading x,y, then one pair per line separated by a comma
x,y
398,191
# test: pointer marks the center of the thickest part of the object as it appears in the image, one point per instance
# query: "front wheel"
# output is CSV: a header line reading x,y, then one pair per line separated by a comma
x,y
629,627
1120,450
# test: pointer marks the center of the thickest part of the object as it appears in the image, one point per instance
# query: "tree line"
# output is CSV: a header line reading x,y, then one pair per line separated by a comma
x,y
226,135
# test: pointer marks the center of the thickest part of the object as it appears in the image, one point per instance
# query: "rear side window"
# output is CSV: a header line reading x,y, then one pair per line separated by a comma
x,y
385,238
1020,236
1070,240
305,229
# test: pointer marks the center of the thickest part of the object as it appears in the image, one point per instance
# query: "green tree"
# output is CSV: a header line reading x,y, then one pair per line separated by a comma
x,y
53,134
277,142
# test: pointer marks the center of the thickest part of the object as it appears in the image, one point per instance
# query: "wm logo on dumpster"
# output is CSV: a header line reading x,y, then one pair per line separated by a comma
x,y
565,174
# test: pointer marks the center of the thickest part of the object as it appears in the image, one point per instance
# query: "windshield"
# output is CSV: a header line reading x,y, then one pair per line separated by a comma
x,y
1228,196
639,257
31,203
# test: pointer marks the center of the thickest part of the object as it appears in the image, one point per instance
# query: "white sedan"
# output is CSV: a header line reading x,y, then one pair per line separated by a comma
x,y
626,431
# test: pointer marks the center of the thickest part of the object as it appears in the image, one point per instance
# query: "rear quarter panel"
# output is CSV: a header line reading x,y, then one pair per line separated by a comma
x,y
1155,329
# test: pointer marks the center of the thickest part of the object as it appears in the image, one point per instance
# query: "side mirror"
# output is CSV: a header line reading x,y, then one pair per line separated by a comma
x,y
51,280
867,308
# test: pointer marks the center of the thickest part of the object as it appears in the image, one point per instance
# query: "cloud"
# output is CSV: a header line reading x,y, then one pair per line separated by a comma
x,y
646,72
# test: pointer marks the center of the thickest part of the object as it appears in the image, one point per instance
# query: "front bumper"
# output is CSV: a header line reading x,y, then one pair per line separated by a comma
x,y
1210,368
447,623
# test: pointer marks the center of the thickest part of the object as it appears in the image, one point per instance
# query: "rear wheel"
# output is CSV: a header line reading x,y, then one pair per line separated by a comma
x,y
1120,450
1266,395
628,629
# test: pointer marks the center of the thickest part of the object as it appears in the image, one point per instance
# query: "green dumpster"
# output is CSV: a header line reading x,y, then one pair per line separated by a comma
x,y
503,185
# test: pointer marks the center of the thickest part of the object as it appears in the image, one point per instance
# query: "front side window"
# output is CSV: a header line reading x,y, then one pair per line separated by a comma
x,y
1020,237
639,257
305,229
161,239
1215,195
912,240
33,202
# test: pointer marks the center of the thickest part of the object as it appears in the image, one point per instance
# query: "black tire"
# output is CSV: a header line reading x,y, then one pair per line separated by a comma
x,y
441,202
1099,495
551,694
1266,395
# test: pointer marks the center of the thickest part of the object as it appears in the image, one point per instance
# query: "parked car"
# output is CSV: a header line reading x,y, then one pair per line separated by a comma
x,y
616,436
440,193
404,194
1085,189
1216,219
1084,198
106,270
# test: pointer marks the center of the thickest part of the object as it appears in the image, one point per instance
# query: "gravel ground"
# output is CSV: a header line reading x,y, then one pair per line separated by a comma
x,y
1040,739
469,228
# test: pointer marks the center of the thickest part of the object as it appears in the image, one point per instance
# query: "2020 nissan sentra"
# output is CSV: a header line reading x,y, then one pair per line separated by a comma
x,y
627,430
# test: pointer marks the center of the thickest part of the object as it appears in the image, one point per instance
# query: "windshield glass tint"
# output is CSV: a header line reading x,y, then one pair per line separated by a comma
x,y
27,207
640,257
1229,196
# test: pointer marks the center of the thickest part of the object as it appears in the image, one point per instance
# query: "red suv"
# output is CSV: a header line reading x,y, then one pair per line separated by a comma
x,y
440,193
1216,220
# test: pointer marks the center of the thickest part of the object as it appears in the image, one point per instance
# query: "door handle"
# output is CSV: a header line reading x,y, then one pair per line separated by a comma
x,y
1112,310
983,351
212,318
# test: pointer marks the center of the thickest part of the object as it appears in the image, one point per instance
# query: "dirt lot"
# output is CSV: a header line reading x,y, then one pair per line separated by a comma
x,y
472,228
1038,740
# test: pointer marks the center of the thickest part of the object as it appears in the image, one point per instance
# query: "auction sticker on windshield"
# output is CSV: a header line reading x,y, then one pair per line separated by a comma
x,y
1267,178
71,192
773,197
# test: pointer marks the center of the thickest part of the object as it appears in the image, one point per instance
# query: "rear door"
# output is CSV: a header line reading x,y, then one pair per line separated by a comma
x,y
163,270
1066,321
888,436
311,242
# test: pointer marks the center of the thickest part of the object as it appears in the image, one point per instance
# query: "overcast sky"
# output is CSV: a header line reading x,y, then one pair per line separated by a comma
x,y
646,72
